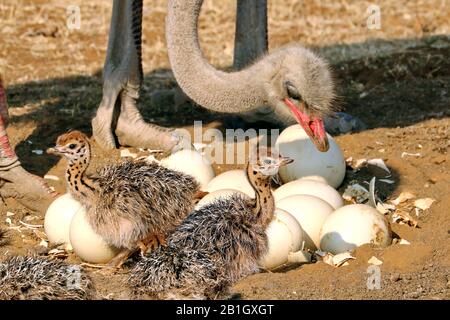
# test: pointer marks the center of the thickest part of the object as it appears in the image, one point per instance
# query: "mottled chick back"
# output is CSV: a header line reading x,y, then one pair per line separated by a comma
x,y
214,247
150,197
30,278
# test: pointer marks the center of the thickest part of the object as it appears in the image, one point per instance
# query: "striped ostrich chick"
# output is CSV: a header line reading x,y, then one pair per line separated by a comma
x,y
33,278
216,245
133,204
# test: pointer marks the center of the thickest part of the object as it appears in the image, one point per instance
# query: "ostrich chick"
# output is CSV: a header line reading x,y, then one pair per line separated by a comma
x,y
31,278
216,245
132,205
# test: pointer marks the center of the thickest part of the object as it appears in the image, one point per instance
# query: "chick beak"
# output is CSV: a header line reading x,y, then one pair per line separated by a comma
x,y
55,150
314,128
285,161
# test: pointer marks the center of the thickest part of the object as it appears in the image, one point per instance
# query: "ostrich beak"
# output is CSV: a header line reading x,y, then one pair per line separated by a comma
x,y
55,151
284,161
314,128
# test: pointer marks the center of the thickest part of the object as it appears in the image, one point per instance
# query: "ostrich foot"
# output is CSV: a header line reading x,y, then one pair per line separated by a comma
x,y
28,189
102,131
134,132
138,133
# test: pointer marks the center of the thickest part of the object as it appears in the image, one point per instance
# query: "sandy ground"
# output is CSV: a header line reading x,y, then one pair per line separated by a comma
x,y
396,79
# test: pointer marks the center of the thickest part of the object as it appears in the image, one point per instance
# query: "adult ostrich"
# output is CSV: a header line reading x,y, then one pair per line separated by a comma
x,y
15,182
291,84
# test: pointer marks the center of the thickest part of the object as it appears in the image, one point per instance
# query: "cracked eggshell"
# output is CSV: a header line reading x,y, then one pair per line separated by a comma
x,y
310,212
294,143
58,218
310,187
190,162
285,235
233,179
352,226
224,194
86,243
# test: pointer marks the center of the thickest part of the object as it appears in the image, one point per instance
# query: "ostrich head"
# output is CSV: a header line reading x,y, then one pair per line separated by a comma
x,y
301,84
265,163
73,145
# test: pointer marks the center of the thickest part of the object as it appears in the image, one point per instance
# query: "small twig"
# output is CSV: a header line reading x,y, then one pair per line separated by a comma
x,y
95,266
31,226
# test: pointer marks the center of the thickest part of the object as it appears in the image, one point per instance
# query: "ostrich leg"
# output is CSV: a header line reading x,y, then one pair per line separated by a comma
x,y
250,42
122,81
251,32
15,182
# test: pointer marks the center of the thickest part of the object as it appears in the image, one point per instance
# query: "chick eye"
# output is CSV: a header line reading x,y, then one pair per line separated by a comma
x,y
292,91
72,146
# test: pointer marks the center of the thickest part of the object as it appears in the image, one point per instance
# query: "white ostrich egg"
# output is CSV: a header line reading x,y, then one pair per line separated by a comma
x,y
218,194
86,243
58,218
190,162
352,226
310,212
285,236
294,143
310,187
315,178
233,179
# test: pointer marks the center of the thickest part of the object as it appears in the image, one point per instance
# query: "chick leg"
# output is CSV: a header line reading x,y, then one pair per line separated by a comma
x,y
120,258
152,242
199,196
161,240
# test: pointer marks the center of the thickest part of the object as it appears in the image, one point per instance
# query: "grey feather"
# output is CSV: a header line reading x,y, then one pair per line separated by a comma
x,y
212,249
30,278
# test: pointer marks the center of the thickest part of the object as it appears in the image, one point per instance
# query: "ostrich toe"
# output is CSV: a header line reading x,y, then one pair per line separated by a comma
x,y
28,189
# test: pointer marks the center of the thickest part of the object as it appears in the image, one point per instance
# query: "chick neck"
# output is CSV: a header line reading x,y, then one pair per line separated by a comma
x,y
79,184
264,202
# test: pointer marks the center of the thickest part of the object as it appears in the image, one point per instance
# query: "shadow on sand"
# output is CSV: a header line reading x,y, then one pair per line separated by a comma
x,y
384,83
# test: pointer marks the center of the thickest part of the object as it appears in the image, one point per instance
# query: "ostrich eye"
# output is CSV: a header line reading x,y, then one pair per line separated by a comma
x,y
292,91
267,161
72,146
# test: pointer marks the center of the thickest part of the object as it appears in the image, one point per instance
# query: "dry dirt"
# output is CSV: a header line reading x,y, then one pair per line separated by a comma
x,y
396,79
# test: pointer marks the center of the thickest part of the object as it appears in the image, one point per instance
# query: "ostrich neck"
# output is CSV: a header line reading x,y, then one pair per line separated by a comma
x,y
264,202
80,185
213,89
